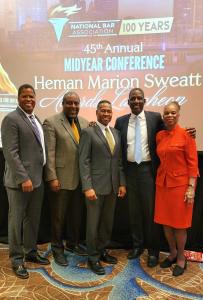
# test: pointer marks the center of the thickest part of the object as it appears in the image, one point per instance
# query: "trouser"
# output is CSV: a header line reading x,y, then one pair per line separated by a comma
x,y
23,222
141,197
67,208
100,216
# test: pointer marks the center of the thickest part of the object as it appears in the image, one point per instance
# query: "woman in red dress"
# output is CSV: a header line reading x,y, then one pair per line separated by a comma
x,y
175,185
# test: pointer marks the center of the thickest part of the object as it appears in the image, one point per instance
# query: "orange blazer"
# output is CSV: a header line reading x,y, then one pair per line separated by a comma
x,y
178,157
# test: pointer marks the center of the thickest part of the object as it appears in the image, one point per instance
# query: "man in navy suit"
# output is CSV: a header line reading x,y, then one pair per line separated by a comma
x,y
24,152
140,174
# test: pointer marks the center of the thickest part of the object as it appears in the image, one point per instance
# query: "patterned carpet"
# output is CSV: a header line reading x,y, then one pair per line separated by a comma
x,y
127,280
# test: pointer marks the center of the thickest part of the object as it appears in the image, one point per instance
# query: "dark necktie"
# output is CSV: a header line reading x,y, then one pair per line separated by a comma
x,y
35,128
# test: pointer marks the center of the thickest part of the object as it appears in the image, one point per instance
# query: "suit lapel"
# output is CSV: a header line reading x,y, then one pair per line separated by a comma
x,y
82,123
65,123
125,130
102,137
149,126
113,131
25,119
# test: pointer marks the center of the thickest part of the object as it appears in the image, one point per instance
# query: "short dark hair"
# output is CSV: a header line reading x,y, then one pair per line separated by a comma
x,y
136,89
174,103
103,101
69,94
25,86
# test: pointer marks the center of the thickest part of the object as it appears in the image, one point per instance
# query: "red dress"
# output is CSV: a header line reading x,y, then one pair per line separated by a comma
x,y
178,161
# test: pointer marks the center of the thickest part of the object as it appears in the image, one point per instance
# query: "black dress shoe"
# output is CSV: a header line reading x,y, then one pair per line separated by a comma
x,y
135,253
76,249
152,261
96,267
36,258
177,271
60,259
105,257
20,271
167,263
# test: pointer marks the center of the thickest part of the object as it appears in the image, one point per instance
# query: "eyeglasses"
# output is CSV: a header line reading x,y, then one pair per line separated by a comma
x,y
139,98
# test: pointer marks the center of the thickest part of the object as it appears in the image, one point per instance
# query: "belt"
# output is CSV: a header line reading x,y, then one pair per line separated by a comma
x,y
130,163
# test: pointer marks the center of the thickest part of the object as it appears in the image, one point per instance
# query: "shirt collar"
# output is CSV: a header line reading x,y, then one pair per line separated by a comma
x,y
27,115
140,116
70,120
102,127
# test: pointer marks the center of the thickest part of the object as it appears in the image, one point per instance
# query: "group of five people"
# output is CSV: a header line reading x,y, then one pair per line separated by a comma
x,y
100,163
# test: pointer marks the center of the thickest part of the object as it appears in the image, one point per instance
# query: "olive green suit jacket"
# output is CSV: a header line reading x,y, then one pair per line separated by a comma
x,y
62,151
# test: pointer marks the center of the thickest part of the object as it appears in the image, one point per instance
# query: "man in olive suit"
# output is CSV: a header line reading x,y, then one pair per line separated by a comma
x,y
62,134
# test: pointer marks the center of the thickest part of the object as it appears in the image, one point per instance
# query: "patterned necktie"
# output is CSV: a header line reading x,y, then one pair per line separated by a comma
x,y
138,145
75,131
110,140
35,128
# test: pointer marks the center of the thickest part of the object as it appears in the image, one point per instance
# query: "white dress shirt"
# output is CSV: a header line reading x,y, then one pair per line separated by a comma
x,y
131,138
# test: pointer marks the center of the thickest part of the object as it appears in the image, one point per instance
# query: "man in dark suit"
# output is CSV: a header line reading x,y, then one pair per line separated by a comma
x,y
140,169
102,180
24,152
62,133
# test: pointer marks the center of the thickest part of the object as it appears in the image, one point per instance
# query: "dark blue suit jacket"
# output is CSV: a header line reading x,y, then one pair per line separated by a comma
x,y
154,125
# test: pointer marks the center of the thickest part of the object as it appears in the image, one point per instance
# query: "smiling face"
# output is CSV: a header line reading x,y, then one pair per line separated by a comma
x,y
71,105
27,100
171,115
104,113
136,101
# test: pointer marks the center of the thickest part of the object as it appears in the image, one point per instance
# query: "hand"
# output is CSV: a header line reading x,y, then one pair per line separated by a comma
x,y
55,185
189,195
27,186
191,131
90,194
121,191
92,124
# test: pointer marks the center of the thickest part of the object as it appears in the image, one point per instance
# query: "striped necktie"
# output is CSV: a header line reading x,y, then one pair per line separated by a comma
x,y
35,128
109,139
138,145
75,131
